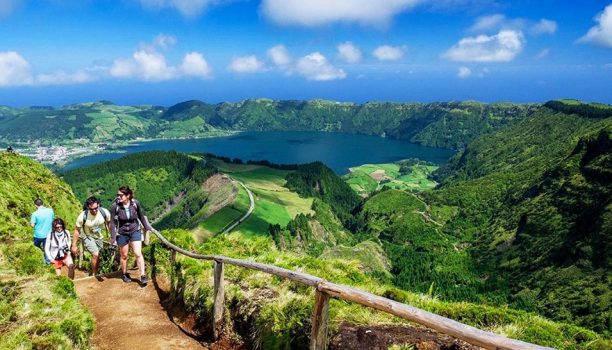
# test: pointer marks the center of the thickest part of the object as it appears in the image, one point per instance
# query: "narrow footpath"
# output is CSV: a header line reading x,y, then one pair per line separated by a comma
x,y
129,316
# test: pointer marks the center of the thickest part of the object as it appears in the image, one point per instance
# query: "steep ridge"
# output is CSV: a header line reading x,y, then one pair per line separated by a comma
x,y
37,310
534,202
443,124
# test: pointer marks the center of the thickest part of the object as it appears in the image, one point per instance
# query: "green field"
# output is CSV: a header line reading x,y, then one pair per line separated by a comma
x,y
368,178
274,204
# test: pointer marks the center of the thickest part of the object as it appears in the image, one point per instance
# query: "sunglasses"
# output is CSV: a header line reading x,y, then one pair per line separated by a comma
x,y
59,226
121,194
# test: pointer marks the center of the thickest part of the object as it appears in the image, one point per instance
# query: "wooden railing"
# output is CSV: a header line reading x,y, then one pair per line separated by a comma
x,y
325,290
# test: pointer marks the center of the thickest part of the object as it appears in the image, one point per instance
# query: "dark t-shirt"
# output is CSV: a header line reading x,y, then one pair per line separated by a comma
x,y
127,220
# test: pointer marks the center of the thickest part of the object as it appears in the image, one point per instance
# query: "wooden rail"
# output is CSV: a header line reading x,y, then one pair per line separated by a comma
x,y
325,290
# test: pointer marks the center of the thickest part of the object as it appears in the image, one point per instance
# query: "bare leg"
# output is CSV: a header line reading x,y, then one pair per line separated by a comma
x,y
70,266
137,249
95,258
124,256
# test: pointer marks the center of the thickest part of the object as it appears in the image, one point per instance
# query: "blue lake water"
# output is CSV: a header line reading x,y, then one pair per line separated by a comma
x,y
338,151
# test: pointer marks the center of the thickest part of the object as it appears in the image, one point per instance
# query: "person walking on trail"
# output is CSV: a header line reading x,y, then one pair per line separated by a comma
x,y
90,224
57,248
125,230
41,221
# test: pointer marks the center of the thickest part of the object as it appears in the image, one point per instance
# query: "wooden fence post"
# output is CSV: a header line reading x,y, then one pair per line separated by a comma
x,y
320,315
173,257
218,307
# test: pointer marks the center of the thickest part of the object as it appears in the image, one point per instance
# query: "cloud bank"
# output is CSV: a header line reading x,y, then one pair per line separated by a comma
x,y
388,53
600,34
316,67
17,71
349,52
502,47
246,64
187,8
322,12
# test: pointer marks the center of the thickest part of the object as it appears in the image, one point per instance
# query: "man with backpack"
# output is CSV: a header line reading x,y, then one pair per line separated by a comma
x,y
91,222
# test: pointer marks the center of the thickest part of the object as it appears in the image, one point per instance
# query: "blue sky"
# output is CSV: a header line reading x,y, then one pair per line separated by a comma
x,y
56,52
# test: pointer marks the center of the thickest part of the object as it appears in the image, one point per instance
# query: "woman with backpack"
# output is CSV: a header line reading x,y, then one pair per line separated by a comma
x,y
57,247
125,231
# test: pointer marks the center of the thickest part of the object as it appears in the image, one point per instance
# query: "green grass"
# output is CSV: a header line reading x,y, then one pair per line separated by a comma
x,y
282,308
368,178
274,204
37,309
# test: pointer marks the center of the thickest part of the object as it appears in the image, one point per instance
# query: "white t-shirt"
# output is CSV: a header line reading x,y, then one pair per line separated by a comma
x,y
94,225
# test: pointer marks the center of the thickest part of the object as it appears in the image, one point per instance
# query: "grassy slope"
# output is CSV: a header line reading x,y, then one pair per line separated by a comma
x,y
276,312
274,204
535,201
37,309
364,179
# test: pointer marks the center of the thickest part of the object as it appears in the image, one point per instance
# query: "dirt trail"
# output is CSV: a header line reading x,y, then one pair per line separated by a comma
x,y
129,316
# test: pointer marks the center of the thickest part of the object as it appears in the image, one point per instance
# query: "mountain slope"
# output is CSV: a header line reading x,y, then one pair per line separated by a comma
x,y
535,201
37,309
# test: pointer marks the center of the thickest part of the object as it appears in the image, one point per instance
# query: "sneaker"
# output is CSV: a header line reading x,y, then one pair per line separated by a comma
x,y
126,278
143,280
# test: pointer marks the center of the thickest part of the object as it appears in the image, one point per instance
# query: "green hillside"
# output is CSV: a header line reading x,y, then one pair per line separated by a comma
x,y
444,124
169,185
534,202
37,309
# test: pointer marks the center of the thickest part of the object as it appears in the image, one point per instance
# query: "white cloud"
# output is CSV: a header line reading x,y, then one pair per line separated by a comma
x,y
63,78
279,56
464,72
321,12
542,54
246,64
388,53
608,65
545,26
488,22
164,40
14,70
149,65
316,67
17,71
349,52
502,47
8,6
498,21
187,8
195,65
601,34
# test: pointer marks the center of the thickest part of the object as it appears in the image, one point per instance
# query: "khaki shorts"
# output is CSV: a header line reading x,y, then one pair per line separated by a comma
x,y
93,245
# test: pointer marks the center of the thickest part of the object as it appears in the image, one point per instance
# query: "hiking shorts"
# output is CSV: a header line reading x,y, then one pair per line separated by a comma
x,y
67,260
123,239
93,245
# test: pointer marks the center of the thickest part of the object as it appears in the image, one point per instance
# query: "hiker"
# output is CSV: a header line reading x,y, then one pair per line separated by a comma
x,y
90,223
125,230
41,221
57,248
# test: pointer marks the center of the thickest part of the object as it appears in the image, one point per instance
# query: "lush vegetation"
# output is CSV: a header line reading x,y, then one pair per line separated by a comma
x,y
37,309
534,203
449,124
272,313
590,110
409,174
159,180
317,180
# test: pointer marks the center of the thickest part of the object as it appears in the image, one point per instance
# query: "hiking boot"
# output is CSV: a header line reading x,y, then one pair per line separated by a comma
x,y
126,278
143,280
